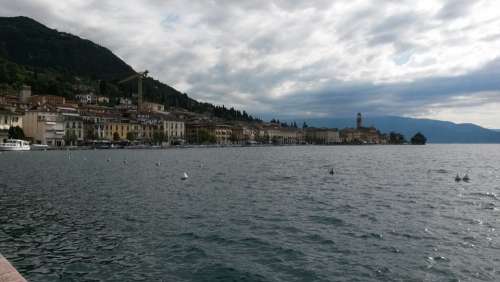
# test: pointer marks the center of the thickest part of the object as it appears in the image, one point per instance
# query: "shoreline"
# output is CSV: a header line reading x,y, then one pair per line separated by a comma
x,y
8,272
89,148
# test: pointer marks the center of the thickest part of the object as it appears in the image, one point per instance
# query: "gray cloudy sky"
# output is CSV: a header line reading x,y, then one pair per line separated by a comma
x,y
427,58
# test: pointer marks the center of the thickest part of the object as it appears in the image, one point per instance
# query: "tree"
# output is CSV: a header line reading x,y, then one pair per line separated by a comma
x,y
204,136
418,139
70,137
234,138
131,136
396,138
116,136
158,137
16,133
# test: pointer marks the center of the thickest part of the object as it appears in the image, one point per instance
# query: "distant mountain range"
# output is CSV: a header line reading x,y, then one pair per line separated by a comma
x,y
436,131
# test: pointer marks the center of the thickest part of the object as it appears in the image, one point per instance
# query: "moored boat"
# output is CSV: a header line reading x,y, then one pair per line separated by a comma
x,y
15,145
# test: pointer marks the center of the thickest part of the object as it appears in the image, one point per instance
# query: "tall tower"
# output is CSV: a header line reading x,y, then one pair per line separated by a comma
x,y
359,121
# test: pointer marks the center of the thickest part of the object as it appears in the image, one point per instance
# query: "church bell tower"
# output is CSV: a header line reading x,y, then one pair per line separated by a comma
x,y
359,121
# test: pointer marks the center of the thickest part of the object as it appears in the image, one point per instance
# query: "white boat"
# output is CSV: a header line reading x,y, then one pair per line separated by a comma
x,y
15,145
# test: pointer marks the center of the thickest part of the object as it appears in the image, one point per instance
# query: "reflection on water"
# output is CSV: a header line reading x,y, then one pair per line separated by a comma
x,y
253,214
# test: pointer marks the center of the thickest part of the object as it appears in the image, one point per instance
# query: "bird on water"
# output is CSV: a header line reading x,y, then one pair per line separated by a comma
x,y
466,178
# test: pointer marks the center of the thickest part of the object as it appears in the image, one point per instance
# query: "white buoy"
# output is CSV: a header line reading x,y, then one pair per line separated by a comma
x,y
184,176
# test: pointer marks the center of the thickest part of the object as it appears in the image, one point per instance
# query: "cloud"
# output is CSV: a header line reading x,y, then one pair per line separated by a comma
x,y
301,58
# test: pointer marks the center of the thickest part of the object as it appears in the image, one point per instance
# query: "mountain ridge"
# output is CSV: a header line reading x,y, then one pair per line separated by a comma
x,y
58,63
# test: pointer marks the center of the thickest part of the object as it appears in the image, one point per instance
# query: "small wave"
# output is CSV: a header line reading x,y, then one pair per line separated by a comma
x,y
485,195
372,235
254,242
316,238
438,258
281,178
327,220
220,272
489,206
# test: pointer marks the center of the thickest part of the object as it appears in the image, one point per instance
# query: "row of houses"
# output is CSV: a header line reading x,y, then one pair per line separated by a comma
x,y
56,121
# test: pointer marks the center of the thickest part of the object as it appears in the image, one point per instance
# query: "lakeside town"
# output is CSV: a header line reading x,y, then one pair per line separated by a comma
x,y
56,122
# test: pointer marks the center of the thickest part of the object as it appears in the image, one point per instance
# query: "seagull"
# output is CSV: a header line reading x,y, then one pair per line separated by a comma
x,y
185,176
466,178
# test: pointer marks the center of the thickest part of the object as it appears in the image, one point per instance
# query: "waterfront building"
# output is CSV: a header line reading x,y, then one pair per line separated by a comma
x,y
44,127
208,132
223,133
281,135
322,136
73,125
173,129
242,134
118,129
360,134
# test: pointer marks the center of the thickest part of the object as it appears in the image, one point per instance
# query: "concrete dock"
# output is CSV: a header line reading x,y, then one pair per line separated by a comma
x,y
8,273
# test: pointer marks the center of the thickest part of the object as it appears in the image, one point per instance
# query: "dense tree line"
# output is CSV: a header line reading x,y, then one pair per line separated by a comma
x,y
285,124
418,139
396,138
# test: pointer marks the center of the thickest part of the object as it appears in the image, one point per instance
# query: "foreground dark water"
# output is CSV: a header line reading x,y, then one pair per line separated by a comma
x,y
390,213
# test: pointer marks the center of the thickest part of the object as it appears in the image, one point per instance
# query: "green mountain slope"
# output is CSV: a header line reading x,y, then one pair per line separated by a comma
x,y
59,63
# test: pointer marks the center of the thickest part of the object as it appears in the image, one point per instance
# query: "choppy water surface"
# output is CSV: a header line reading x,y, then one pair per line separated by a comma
x,y
390,213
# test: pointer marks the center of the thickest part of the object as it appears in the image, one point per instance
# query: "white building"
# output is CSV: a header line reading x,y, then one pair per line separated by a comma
x,y
173,130
322,136
89,98
152,107
73,124
44,127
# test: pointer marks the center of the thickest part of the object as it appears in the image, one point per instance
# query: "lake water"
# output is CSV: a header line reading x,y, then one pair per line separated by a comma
x,y
390,213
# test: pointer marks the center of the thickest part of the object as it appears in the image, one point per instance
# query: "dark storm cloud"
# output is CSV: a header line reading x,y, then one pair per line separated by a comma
x,y
399,98
298,57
